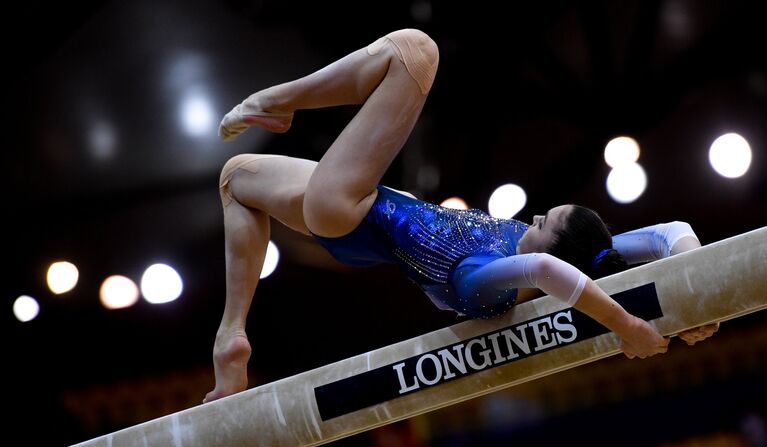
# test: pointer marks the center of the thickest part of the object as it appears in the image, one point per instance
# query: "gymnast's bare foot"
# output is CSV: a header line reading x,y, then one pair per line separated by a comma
x,y
230,363
254,111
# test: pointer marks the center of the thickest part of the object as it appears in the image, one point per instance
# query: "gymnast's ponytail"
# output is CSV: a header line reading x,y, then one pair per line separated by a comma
x,y
607,262
586,243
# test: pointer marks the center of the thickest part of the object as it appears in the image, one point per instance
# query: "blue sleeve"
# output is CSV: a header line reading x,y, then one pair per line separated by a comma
x,y
651,243
479,277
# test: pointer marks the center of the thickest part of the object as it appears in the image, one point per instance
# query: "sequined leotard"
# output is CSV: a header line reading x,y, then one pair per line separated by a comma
x,y
467,261
434,246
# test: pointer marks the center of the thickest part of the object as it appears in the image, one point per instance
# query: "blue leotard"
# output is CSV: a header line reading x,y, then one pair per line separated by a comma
x,y
466,260
435,246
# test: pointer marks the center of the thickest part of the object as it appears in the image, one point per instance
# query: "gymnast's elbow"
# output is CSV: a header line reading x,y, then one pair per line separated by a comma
x,y
681,237
546,266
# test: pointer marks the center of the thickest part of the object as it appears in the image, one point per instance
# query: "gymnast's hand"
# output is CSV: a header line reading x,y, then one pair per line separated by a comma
x,y
642,340
699,334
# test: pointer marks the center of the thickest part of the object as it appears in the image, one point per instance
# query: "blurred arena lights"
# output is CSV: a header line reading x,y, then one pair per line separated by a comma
x,y
197,115
621,151
62,277
160,283
118,292
506,201
25,308
626,183
455,203
730,155
271,260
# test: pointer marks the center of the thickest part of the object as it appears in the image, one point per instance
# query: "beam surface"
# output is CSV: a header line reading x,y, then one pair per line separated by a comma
x,y
714,283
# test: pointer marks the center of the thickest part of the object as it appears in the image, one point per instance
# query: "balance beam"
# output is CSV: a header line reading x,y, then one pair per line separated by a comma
x,y
714,283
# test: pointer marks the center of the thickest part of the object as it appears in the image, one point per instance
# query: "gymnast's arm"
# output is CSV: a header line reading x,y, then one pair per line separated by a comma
x,y
563,281
657,242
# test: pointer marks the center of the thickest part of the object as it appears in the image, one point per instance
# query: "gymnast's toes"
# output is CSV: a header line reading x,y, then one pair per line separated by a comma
x,y
249,113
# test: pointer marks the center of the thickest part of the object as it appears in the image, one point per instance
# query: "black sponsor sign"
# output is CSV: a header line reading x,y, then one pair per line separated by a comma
x,y
473,355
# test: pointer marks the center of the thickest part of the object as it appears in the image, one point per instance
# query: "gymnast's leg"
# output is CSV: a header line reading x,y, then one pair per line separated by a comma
x,y
343,186
253,187
391,77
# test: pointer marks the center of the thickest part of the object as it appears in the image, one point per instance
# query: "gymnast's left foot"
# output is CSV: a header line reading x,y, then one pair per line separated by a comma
x,y
230,363
253,112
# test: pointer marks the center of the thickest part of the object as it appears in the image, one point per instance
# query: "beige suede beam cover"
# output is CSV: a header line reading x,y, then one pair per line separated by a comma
x,y
716,282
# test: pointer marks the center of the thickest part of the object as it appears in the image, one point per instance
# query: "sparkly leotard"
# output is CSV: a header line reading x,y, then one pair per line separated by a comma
x,y
467,261
434,246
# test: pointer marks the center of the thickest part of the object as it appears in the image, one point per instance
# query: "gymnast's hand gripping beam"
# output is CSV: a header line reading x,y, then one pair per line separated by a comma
x,y
714,283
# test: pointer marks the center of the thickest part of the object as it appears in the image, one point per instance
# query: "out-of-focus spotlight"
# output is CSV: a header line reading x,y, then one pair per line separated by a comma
x,y
455,203
160,283
730,155
62,277
621,151
196,115
271,260
118,292
506,201
25,308
103,141
626,183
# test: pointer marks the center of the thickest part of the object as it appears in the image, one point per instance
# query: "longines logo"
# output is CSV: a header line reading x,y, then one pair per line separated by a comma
x,y
480,353
486,351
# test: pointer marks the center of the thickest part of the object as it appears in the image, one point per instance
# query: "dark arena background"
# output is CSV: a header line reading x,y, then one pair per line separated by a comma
x,y
111,162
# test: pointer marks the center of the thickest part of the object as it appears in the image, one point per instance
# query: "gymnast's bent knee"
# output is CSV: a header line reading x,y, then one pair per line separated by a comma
x,y
416,50
245,162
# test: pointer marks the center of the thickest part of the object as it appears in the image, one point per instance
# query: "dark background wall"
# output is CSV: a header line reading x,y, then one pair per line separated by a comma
x,y
98,170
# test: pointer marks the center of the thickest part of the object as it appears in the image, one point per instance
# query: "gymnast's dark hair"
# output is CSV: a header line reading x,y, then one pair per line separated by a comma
x,y
585,242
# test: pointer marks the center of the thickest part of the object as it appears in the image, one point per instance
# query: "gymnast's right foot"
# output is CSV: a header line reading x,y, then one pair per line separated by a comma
x,y
250,112
231,353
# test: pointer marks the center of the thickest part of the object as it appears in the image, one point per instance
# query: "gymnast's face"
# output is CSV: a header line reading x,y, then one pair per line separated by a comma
x,y
540,235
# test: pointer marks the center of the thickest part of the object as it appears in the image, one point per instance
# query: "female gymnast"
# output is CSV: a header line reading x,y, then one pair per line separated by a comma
x,y
466,261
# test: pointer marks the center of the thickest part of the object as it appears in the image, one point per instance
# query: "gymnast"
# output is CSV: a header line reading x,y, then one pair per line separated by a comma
x,y
466,261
